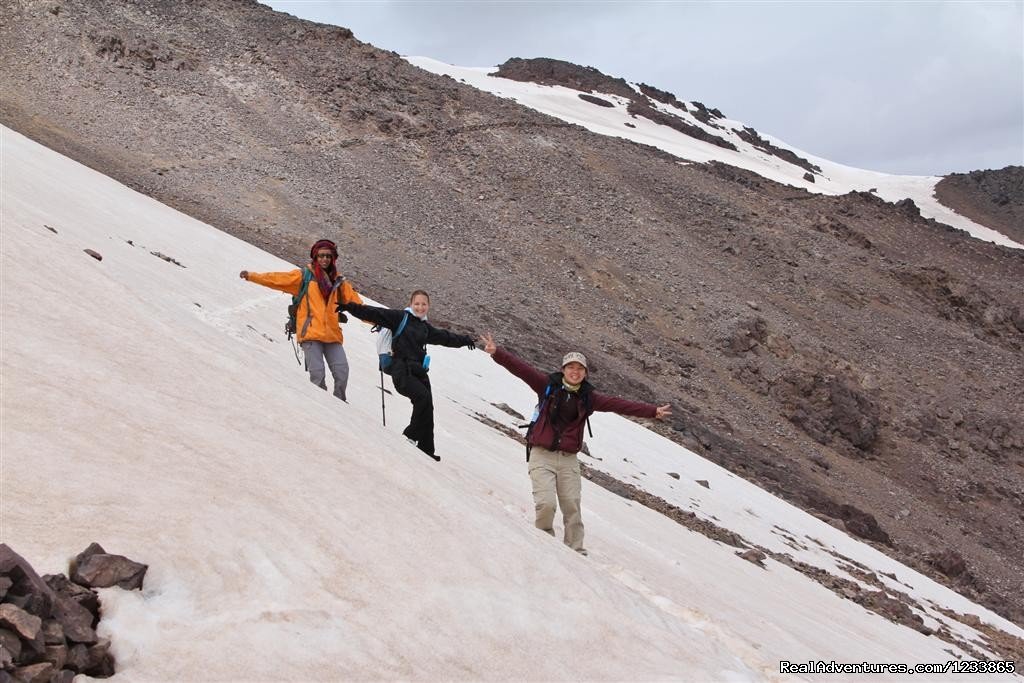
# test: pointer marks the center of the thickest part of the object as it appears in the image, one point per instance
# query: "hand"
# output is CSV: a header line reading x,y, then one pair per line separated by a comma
x,y
342,318
487,339
470,344
244,275
663,411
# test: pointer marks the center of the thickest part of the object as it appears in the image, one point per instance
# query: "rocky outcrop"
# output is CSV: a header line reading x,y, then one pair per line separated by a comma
x,y
748,134
48,624
557,72
595,100
993,198
642,108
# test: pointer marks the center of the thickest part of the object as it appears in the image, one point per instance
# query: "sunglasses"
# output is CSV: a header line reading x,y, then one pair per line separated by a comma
x,y
325,254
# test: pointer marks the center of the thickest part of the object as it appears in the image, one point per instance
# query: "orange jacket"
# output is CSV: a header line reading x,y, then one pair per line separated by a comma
x,y
323,324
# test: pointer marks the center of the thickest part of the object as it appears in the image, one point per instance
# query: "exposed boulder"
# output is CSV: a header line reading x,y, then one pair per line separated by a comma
x,y
950,563
557,72
58,640
95,568
595,100
26,625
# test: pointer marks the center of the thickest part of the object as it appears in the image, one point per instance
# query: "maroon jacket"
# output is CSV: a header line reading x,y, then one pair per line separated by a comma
x,y
569,436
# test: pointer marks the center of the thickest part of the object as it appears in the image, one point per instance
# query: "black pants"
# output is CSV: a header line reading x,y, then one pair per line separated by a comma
x,y
417,389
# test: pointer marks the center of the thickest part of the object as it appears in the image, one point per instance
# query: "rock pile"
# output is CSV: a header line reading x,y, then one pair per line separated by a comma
x,y
48,624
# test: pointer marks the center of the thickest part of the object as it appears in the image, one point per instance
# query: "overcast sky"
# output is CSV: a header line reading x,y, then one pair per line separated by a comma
x,y
903,87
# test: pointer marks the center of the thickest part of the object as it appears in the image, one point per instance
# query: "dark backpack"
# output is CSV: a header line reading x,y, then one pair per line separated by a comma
x,y
554,383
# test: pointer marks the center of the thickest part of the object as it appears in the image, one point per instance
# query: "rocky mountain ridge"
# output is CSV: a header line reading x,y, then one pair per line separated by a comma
x,y
994,198
841,351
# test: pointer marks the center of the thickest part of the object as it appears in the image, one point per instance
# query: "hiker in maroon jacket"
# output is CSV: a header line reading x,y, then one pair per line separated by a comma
x,y
565,401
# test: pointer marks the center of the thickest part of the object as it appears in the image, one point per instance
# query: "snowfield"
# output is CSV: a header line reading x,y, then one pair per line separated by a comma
x,y
565,103
157,409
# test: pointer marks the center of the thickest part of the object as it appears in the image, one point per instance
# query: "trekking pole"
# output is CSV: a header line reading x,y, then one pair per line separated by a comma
x,y
383,416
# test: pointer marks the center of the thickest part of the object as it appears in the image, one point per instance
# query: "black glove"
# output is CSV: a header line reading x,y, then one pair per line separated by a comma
x,y
342,318
341,307
470,344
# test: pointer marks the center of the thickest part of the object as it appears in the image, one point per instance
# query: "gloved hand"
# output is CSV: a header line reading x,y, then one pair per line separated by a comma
x,y
342,318
470,344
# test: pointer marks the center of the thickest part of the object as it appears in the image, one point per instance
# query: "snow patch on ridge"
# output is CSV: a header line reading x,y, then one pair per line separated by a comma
x,y
835,179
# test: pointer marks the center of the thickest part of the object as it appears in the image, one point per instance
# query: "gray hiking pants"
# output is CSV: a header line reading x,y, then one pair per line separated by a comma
x,y
316,353
556,484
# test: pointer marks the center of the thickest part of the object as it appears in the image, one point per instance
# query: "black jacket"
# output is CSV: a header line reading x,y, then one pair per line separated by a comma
x,y
408,349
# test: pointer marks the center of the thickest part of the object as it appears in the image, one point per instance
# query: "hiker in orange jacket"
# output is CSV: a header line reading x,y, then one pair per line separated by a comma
x,y
317,324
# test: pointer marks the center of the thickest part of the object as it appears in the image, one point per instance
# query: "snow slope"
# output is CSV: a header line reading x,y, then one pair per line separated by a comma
x,y
565,103
157,409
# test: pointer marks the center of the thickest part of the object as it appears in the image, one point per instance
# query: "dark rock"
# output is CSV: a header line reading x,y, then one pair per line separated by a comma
x,y
1018,318
5,584
950,563
10,642
75,620
77,658
95,254
908,207
35,673
863,525
662,96
27,589
754,138
890,608
169,259
53,632
85,597
825,406
754,557
854,415
26,625
746,334
704,483
7,658
674,475
101,570
595,100
808,177
644,109
557,72
101,661
56,655
63,676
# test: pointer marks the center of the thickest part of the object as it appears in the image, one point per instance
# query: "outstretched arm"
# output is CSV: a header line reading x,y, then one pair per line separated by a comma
x,y
289,281
445,338
517,366
613,404
385,317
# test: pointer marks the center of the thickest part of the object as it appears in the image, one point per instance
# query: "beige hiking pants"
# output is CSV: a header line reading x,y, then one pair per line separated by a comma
x,y
556,482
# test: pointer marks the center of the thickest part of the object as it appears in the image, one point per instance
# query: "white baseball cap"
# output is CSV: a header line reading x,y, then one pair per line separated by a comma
x,y
574,357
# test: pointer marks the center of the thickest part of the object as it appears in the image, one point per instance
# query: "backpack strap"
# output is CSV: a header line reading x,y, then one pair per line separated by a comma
x,y
307,276
401,326
541,406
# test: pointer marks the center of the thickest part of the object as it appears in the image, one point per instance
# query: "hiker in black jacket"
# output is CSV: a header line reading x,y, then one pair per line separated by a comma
x,y
410,360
